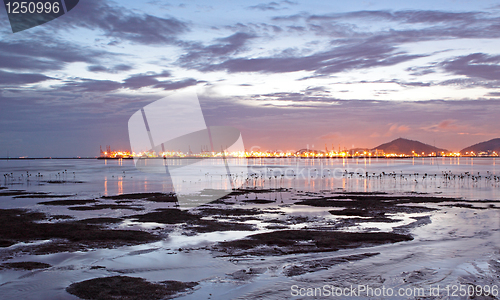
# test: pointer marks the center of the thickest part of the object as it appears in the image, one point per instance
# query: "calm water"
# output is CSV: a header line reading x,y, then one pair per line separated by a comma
x,y
110,177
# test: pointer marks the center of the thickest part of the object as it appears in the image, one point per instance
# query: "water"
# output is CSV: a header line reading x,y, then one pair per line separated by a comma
x,y
111,177
458,243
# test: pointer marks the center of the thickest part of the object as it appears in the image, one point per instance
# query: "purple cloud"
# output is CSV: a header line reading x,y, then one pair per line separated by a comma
x,y
199,54
91,85
477,65
21,78
273,6
405,16
175,85
339,59
114,69
35,55
120,22
142,80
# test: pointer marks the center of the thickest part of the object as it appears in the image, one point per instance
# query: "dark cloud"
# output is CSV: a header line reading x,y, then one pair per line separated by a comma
x,y
199,54
365,14
404,16
119,22
429,16
421,70
97,68
477,65
435,25
399,82
80,85
142,80
18,62
37,55
353,46
339,59
317,89
21,78
493,94
413,83
113,70
293,28
470,83
91,85
133,82
53,50
264,29
175,85
272,5
291,18
266,6
407,16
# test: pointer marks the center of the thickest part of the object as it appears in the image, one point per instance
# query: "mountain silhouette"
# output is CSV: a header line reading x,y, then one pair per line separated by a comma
x,y
488,146
405,146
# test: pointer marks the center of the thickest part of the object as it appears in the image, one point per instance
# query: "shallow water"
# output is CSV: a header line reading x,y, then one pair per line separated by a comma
x,y
459,242
111,177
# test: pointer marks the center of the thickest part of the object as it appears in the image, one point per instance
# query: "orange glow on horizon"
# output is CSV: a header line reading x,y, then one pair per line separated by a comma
x,y
281,154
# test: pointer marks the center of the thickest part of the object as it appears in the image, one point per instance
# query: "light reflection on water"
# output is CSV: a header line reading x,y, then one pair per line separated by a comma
x,y
109,177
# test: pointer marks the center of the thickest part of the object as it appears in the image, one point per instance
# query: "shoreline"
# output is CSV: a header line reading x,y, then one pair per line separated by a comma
x,y
305,158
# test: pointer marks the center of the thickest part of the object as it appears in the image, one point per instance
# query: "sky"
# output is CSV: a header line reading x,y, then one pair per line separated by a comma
x,y
288,74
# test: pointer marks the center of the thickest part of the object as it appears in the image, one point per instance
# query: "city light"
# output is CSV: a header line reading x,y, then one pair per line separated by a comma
x,y
281,154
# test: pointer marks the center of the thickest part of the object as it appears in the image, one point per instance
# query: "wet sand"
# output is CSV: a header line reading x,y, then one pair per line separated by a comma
x,y
246,245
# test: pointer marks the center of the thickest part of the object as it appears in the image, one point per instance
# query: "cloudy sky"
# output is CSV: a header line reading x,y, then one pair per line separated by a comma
x,y
286,73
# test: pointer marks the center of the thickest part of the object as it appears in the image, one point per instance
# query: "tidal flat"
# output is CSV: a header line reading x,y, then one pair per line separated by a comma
x,y
257,242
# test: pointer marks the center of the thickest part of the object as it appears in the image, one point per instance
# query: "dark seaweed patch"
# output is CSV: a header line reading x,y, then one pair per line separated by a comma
x,y
130,288
203,226
193,222
155,197
18,193
68,202
6,243
259,201
229,212
369,215
462,205
243,191
26,265
167,216
61,181
105,206
306,241
374,206
309,266
36,195
100,221
75,235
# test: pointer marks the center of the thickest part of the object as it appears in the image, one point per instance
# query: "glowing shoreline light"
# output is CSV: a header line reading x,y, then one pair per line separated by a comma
x,y
279,154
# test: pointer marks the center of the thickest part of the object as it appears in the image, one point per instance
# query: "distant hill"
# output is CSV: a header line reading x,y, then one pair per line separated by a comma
x,y
488,146
404,146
